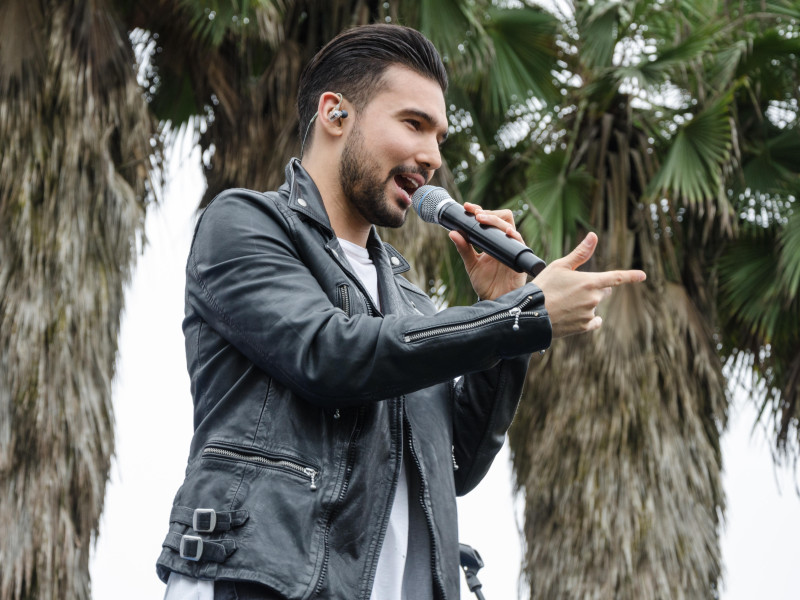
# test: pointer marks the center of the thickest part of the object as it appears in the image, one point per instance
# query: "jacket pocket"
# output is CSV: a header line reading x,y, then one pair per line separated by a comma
x,y
282,544
344,299
352,301
288,464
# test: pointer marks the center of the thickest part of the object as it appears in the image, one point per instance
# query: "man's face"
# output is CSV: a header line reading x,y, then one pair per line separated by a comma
x,y
393,147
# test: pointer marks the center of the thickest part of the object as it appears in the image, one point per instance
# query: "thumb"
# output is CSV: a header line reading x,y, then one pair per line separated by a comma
x,y
464,249
582,252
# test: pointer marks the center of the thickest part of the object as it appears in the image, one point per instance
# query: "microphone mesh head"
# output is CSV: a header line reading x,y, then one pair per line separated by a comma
x,y
426,199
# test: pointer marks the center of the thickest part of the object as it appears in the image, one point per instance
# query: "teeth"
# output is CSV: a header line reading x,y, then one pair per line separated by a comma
x,y
412,183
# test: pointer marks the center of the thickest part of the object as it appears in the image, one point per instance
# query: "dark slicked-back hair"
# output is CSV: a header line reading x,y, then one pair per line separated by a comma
x,y
354,62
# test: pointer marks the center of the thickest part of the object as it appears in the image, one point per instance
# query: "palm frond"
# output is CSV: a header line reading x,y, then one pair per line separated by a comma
x,y
453,28
789,257
610,448
654,69
599,25
211,21
557,201
749,285
692,169
760,311
524,57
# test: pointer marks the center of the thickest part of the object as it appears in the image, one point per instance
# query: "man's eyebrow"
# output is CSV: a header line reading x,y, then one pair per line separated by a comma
x,y
430,119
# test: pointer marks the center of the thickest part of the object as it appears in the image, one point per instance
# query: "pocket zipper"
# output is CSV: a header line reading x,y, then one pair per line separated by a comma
x,y
309,472
514,312
344,297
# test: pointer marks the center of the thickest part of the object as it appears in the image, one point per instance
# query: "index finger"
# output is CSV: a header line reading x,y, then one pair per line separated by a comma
x,y
617,278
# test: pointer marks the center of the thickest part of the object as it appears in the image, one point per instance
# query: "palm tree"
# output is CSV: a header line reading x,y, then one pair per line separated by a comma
x,y
652,389
664,144
622,463
81,160
645,135
78,151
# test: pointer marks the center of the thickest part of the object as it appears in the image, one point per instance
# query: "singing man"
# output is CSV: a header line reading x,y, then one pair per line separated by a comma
x,y
337,414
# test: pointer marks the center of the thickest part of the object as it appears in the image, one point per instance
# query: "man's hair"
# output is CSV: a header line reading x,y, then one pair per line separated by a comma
x,y
354,63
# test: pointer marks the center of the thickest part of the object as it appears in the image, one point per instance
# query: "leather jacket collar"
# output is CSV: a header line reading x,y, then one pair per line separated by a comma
x,y
304,197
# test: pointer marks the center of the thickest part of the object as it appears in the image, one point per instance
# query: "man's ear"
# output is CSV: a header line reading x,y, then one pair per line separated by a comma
x,y
331,113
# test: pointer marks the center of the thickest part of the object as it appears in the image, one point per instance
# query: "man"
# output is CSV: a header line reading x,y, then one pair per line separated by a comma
x,y
337,414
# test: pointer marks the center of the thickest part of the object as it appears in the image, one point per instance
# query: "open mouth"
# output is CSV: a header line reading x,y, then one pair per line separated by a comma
x,y
408,183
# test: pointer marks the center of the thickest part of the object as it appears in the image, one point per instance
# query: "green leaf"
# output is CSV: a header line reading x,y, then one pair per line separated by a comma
x,y
524,56
657,68
748,292
771,64
213,20
558,201
772,167
787,8
598,25
692,169
448,24
789,256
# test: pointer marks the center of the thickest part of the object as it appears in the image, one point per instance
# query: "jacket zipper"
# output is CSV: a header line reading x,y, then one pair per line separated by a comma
x,y
368,302
428,519
514,312
375,558
344,297
371,310
340,498
308,472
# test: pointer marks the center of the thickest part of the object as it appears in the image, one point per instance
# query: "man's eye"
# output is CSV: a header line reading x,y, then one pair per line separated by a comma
x,y
414,123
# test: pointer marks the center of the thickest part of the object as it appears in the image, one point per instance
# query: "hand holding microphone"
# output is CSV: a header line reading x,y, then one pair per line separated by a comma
x,y
489,231
434,205
571,296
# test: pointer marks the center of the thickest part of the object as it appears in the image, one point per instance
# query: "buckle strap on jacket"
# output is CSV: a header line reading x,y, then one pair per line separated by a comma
x,y
193,547
208,520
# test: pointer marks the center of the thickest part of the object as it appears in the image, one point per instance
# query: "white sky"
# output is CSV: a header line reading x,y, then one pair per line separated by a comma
x,y
153,410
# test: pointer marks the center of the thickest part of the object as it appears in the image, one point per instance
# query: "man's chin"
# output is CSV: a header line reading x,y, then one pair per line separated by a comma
x,y
393,221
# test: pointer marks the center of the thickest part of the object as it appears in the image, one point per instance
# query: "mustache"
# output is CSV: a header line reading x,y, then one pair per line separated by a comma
x,y
401,170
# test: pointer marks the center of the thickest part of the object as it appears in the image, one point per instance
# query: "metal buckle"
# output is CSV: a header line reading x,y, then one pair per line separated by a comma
x,y
204,520
186,547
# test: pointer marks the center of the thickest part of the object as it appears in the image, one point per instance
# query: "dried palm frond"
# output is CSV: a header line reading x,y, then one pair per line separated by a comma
x,y
75,172
617,449
239,70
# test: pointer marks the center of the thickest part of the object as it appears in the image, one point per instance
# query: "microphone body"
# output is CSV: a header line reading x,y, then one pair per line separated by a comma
x,y
434,205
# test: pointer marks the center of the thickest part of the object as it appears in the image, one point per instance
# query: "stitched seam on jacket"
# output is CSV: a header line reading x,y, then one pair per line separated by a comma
x,y
210,297
501,385
263,410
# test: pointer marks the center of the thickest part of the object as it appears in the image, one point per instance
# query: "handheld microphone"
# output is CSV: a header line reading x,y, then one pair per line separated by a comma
x,y
434,205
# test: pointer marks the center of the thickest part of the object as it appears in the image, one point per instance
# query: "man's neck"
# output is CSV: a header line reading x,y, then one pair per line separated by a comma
x,y
346,222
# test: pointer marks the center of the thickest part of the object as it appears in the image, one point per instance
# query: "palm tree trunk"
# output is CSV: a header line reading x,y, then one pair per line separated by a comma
x,y
74,178
617,448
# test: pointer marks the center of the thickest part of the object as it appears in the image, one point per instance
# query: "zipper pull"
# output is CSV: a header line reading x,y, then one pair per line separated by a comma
x,y
313,474
516,312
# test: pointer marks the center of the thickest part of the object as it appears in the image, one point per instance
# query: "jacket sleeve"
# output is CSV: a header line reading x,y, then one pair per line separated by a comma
x,y
248,280
484,406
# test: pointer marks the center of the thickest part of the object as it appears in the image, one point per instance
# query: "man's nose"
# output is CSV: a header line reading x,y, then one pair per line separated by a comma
x,y
429,156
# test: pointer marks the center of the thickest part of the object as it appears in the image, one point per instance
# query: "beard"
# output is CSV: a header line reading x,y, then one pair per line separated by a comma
x,y
362,186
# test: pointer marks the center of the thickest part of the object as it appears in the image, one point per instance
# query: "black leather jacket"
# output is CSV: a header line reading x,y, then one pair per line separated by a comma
x,y
304,391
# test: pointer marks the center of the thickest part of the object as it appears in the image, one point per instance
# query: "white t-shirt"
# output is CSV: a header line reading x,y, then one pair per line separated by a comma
x,y
388,583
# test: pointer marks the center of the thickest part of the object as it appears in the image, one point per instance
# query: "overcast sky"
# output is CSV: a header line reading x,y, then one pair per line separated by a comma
x,y
153,408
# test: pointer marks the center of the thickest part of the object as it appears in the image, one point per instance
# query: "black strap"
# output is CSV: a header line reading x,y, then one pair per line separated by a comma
x,y
193,547
208,520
